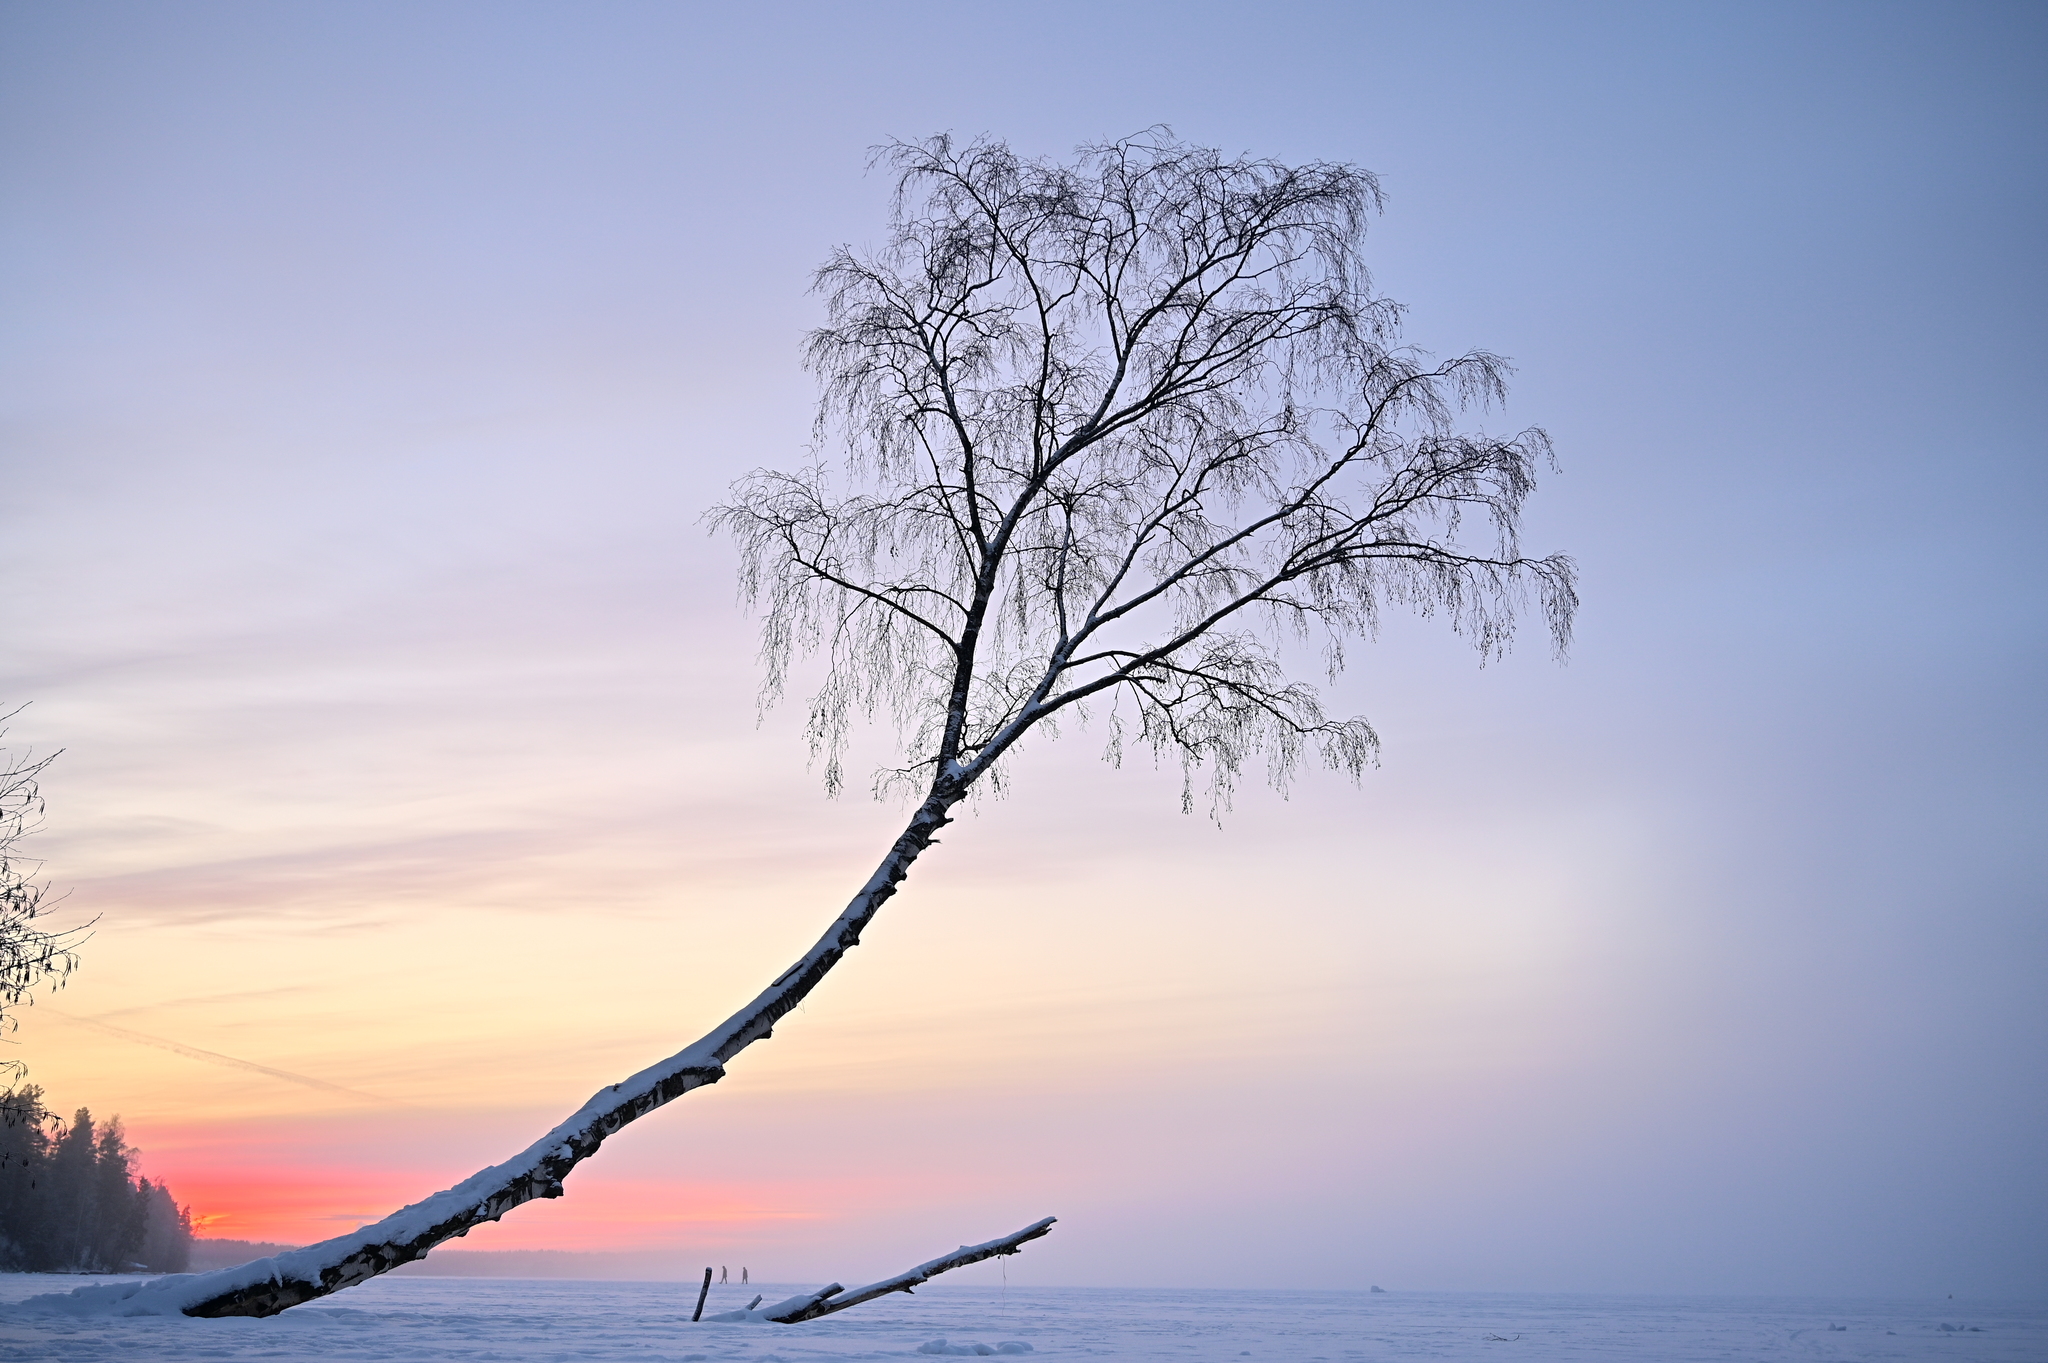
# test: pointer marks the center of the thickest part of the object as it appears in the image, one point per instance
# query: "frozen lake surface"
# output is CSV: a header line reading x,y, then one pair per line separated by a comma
x,y
525,1321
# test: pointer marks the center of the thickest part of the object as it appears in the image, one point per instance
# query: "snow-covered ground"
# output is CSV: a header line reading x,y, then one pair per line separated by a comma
x,y
526,1321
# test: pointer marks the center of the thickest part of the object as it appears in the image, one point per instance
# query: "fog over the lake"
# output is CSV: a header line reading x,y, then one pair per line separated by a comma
x,y
368,368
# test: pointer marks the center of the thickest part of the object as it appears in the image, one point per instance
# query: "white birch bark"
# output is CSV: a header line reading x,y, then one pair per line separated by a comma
x,y
1117,429
264,1287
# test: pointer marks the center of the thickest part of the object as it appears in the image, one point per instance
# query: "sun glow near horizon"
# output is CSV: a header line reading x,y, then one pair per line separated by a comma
x,y
366,379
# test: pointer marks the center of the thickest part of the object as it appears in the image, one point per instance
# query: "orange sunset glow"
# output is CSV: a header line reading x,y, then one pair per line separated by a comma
x,y
1633,877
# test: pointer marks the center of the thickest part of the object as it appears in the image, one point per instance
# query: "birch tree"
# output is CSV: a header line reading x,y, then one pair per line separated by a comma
x,y
1123,438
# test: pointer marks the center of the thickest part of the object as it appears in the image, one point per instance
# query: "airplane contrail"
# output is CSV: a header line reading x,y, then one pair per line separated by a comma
x,y
216,1058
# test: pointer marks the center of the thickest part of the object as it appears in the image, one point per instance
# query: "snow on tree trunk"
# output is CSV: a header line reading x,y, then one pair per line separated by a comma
x,y
264,1287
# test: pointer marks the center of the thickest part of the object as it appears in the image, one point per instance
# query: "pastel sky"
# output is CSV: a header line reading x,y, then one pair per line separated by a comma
x,y
367,368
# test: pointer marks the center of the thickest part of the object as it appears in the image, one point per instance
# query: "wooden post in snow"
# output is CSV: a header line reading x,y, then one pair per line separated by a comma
x,y
702,1293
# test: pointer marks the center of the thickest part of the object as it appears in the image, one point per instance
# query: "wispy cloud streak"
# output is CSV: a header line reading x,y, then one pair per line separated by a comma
x,y
216,1058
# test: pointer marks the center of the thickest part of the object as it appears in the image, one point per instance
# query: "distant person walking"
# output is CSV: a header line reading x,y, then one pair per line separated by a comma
x,y
743,1275
721,1275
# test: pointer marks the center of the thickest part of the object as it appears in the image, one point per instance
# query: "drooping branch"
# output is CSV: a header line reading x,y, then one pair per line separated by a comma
x,y
1114,409
31,954
1121,429
832,1297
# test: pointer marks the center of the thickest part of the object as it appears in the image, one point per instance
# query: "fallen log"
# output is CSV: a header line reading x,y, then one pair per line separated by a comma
x,y
832,1297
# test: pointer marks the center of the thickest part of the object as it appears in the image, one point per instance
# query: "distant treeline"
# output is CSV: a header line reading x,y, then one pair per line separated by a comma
x,y
208,1254
70,1201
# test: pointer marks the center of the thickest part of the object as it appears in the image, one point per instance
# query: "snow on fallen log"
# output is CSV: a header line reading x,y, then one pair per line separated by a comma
x,y
832,1297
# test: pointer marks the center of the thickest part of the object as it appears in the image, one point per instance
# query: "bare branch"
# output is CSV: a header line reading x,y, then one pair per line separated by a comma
x,y
1117,432
832,1297
31,955
1110,410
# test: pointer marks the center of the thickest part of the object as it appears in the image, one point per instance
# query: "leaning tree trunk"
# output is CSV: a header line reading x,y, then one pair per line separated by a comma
x,y
264,1287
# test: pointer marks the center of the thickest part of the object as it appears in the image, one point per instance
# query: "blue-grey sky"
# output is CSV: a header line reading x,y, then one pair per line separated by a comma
x,y
367,368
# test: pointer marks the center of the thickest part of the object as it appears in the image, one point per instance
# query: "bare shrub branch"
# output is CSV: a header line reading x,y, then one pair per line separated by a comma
x,y
31,955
